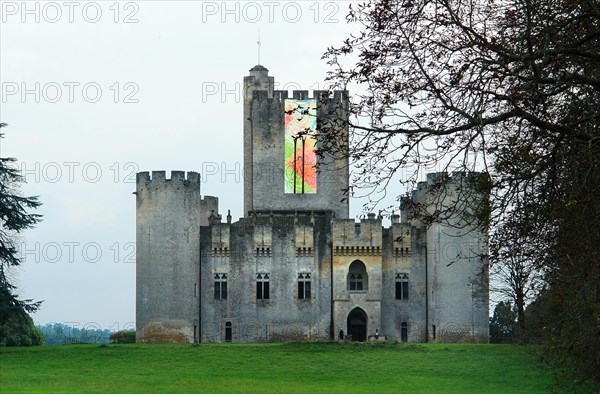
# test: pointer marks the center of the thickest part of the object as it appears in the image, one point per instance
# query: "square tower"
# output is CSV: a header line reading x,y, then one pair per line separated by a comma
x,y
282,172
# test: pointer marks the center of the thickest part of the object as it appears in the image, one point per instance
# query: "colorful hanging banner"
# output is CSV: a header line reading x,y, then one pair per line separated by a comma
x,y
300,143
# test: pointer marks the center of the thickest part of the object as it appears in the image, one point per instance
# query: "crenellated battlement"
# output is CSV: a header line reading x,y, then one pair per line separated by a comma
x,y
220,234
261,231
161,176
459,195
360,238
321,95
365,237
260,86
401,234
435,179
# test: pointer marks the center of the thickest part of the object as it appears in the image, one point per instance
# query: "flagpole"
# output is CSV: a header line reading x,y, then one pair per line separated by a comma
x,y
258,42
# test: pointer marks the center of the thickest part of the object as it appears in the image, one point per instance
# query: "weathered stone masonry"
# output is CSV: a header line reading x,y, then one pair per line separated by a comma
x,y
295,267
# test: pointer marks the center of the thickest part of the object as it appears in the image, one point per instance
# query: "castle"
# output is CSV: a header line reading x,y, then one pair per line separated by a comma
x,y
296,266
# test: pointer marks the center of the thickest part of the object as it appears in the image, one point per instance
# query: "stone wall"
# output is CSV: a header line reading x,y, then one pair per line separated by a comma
x,y
279,245
403,254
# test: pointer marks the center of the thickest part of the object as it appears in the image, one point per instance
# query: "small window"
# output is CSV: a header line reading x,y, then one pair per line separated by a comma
x,y
304,286
262,286
221,286
433,330
404,332
402,286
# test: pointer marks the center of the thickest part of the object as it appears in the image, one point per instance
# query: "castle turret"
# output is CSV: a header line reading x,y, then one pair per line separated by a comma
x,y
258,80
457,256
167,256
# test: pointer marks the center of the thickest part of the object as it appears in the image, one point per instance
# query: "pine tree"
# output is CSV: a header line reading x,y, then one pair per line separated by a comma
x,y
16,326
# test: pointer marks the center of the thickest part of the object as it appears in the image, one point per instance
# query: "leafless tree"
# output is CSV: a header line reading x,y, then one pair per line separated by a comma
x,y
519,279
510,88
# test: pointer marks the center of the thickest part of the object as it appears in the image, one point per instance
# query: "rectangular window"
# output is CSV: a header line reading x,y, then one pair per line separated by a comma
x,y
356,282
262,286
220,286
402,286
304,286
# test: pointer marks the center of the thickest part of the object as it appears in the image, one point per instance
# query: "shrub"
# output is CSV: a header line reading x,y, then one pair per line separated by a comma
x,y
122,337
19,330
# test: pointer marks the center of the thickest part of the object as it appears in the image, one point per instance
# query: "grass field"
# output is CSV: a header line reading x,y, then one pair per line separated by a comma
x,y
283,368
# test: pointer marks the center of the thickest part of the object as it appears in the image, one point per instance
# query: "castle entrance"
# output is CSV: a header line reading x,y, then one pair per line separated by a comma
x,y
357,325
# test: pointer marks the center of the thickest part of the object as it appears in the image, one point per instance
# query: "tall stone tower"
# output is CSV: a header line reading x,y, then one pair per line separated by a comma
x,y
456,251
282,172
168,213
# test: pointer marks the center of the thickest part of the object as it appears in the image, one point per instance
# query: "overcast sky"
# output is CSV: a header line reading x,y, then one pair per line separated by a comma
x,y
94,92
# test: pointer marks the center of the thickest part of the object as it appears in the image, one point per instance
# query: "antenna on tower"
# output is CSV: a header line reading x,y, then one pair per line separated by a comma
x,y
258,42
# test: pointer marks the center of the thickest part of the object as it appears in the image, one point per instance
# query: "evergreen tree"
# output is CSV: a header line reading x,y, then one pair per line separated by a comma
x,y
16,326
503,324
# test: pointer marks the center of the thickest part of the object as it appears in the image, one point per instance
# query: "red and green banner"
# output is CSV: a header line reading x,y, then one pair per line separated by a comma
x,y
300,142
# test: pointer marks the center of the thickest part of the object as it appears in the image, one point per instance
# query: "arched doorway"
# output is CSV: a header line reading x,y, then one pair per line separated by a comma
x,y
357,325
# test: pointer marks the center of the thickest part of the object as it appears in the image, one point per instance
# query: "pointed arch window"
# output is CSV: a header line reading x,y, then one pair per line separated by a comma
x,y
357,276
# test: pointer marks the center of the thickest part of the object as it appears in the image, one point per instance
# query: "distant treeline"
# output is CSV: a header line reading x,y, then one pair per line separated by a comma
x,y
64,334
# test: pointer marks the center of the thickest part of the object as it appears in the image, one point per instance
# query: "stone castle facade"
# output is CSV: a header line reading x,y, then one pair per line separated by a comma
x,y
296,266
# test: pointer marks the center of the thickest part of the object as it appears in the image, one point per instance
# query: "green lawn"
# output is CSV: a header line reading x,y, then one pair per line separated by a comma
x,y
284,368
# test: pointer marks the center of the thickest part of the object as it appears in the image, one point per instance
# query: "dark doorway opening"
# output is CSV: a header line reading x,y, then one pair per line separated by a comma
x,y
357,325
228,332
